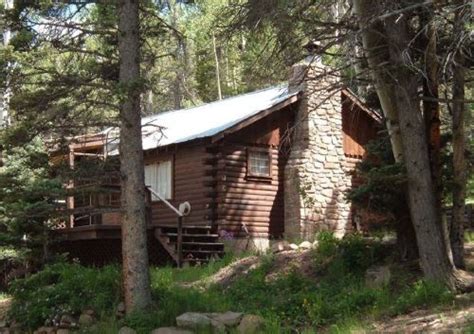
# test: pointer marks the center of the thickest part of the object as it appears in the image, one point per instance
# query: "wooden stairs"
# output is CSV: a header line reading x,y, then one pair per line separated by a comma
x,y
199,244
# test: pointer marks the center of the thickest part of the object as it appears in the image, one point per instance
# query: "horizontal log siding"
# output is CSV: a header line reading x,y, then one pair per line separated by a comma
x,y
190,183
258,203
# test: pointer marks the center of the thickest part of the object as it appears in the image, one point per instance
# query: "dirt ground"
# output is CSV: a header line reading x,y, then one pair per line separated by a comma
x,y
458,318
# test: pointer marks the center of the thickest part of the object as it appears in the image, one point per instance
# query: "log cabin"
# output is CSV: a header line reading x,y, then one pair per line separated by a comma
x,y
261,166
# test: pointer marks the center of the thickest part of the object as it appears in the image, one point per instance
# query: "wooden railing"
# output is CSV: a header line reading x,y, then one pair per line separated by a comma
x,y
184,210
94,200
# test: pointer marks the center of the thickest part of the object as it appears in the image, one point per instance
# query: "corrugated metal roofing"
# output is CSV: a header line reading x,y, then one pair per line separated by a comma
x,y
183,125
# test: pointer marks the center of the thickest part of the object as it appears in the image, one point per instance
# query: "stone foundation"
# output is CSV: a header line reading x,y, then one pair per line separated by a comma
x,y
317,173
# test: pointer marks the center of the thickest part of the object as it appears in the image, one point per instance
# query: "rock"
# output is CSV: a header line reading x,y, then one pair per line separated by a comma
x,y
170,330
121,307
63,331
229,319
120,312
127,330
67,321
315,244
376,277
86,319
251,324
45,330
466,299
217,327
280,246
293,246
90,312
193,320
305,245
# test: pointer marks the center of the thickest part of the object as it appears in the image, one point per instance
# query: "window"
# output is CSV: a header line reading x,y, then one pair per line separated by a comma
x,y
259,163
159,177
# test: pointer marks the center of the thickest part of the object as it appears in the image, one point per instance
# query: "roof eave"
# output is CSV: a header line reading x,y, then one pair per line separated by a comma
x,y
359,103
255,118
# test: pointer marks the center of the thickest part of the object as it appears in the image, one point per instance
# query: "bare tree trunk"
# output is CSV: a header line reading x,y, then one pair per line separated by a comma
x,y
136,281
375,49
434,258
431,105
397,87
218,75
459,142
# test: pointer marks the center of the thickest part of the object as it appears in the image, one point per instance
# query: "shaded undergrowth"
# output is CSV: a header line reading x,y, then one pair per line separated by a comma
x,y
334,295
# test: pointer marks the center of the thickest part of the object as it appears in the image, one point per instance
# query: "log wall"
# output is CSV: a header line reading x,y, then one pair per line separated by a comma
x,y
252,203
192,181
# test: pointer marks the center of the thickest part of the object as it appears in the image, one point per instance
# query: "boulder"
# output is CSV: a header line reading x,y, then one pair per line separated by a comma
x,y
280,246
127,330
67,320
305,245
229,318
63,331
217,327
121,307
120,312
193,320
293,246
89,311
45,330
376,277
315,244
171,330
86,319
251,324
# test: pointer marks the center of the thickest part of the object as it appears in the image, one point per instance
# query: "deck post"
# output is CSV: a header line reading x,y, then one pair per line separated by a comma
x,y
180,241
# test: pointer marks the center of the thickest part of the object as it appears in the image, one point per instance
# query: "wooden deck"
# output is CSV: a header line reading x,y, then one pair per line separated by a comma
x,y
89,232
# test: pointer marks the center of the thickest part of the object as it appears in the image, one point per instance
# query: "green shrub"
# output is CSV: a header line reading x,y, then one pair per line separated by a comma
x,y
358,254
422,294
64,288
351,255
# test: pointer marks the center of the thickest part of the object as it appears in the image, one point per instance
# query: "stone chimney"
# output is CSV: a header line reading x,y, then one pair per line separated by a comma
x,y
315,175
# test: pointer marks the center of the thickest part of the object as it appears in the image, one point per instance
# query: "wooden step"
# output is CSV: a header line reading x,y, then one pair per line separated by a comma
x,y
199,244
204,252
192,243
196,260
190,235
203,227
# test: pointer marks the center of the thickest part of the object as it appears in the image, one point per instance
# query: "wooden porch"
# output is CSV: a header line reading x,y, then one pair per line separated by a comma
x,y
94,216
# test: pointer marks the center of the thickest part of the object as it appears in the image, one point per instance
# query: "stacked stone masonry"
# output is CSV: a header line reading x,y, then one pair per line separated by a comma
x,y
317,173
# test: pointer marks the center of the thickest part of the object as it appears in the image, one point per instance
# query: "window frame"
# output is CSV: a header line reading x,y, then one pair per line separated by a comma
x,y
259,177
158,162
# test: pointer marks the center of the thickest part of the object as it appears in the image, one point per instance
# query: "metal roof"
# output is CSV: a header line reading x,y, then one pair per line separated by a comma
x,y
179,126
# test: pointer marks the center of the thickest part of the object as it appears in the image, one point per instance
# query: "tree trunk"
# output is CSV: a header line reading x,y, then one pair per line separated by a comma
x,y
431,105
136,281
375,49
216,59
459,142
406,237
434,258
